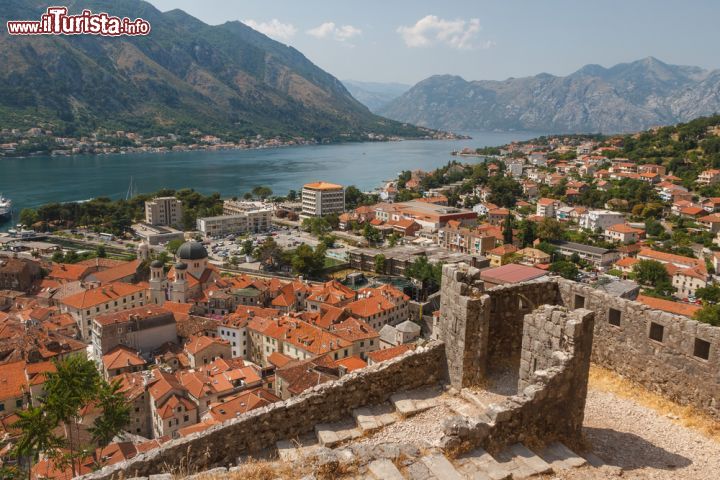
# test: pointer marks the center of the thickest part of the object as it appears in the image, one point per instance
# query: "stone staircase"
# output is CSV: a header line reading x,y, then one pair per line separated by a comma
x,y
516,462
335,440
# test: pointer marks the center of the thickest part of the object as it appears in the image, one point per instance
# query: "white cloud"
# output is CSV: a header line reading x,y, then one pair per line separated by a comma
x,y
340,33
274,29
433,30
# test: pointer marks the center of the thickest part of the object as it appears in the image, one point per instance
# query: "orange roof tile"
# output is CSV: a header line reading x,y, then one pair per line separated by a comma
x,y
668,306
122,357
323,186
351,363
100,295
388,353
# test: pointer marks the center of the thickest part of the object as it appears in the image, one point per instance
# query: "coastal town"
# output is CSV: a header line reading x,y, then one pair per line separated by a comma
x,y
273,296
41,140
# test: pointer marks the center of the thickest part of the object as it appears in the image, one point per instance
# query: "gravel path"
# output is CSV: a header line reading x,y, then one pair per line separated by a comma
x,y
646,444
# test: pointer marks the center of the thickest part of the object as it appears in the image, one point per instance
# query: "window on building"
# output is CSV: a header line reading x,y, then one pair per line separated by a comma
x,y
657,332
702,349
614,317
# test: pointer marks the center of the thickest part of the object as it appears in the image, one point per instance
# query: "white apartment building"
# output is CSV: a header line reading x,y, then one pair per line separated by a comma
x,y
601,219
248,218
322,198
546,207
163,211
90,303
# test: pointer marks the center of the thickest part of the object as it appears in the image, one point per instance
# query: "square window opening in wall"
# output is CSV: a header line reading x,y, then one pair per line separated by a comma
x,y
657,332
614,317
702,349
579,301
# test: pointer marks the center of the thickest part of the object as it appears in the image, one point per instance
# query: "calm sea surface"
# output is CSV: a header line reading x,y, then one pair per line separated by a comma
x,y
34,181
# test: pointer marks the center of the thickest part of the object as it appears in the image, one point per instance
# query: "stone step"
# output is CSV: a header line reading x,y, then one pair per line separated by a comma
x,y
473,398
469,410
561,457
296,449
480,465
384,469
332,434
441,467
522,462
370,419
537,465
419,471
415,401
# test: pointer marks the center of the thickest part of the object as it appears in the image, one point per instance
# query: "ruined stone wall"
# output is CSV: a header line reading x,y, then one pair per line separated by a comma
x,y
551,404
508,306
262,428
669,354
672,355
464,325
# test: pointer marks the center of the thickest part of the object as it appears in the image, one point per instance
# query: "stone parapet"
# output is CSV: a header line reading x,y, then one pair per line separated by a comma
x,y
221,445
553,380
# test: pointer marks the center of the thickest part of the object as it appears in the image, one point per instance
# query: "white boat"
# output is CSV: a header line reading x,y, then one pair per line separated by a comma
x,y
5,206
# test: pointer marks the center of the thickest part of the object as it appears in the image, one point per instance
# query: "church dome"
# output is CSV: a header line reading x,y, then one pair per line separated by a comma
x,y
180,266
191,250
156,264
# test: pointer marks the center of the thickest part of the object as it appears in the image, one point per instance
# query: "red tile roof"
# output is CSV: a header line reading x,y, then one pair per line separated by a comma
x,y
388,353
668,306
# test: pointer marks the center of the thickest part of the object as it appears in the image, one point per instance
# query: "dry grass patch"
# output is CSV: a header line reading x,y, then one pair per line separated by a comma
x,y
686,415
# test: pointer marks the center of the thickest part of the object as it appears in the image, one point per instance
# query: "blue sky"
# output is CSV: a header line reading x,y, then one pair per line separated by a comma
x,y
407,41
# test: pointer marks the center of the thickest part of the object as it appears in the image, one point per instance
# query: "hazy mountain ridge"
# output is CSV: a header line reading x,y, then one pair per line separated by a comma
x,y
185,74
623,98
375,95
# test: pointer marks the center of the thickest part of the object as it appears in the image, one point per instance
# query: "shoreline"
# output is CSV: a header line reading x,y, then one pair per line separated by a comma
x,y
188,149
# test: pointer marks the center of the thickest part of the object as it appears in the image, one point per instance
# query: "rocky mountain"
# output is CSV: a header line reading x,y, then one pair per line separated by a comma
x,y
375,95
227,79
626,97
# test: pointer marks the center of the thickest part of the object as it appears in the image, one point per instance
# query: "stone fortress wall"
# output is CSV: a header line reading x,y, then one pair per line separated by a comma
x,y
672,355
258,429
552,386
548,329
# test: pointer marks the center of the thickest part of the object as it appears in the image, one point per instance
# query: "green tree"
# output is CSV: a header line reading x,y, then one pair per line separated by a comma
x,y
508,230
73,385
318,226
393,239
550,229
653,227
565,269
504,191
527,233
36,434
292,195
653,274
380,264
371,234
353,197
29,216
307,261
247,247
709,314
115,413
262,192
173,245
269,254
101,252
429,275
711,293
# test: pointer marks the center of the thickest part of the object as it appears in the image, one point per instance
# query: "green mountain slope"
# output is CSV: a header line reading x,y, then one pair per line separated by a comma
x,y
226,79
